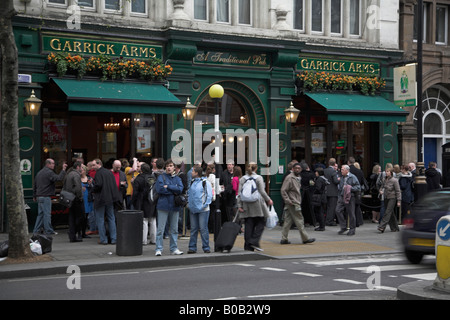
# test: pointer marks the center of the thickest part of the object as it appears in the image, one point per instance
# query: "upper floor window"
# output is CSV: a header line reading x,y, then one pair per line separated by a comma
x,y
299,14
113,5
336,16
355,14
201,10
441,24
317,16
223,11
138,6
416,22
86,3
245,12
58,2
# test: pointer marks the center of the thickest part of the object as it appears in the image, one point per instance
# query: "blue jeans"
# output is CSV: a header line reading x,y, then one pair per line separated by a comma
x,y
199,222
44,218
163,217
100,213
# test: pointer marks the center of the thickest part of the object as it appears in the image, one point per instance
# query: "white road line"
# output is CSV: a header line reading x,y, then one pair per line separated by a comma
x,y
312,275
400,267
349,281
354,261
273,269
422,276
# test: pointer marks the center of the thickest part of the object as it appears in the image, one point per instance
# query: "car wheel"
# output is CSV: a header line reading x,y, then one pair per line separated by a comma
x,y
413,256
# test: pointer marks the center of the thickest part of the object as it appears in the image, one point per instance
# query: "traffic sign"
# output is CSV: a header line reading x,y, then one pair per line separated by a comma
x,y
443,229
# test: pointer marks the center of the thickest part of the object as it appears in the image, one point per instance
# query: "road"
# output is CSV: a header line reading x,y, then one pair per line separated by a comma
x,y
337,278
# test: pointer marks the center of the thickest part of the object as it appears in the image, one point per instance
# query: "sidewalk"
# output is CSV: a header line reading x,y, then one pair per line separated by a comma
x,y
92,257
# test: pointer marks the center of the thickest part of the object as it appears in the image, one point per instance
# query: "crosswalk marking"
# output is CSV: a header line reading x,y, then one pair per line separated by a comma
x,y
400,267
422,276
354,261
273,269
349,281
312,275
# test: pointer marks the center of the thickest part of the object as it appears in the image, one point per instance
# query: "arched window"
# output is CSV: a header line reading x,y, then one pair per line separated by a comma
x,y
432,124
231,111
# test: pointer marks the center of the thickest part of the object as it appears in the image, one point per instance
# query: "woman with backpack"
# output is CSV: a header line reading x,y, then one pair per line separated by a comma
x,y
252,207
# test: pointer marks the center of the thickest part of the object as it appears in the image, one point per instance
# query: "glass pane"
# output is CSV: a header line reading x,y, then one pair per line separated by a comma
x,y
244,11
57,1
231,111
112,4
316,15
358,142
340,142
200,10
441,16
86,3
138,6
298,15
223,11
335,16
354,17
433,124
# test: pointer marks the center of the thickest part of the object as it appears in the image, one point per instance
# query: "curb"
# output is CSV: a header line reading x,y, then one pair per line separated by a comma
x,y
420,290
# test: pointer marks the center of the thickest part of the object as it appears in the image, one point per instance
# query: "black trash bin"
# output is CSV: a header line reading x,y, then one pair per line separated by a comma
x,y
129,233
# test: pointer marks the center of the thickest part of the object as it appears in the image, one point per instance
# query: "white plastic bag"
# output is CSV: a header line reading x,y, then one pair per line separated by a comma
x,y
272,219
36,247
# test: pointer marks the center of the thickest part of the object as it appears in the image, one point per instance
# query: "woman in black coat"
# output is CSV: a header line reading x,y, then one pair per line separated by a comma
x,y
141,202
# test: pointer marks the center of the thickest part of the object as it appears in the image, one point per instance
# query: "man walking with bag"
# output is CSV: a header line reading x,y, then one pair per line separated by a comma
x,y
290,192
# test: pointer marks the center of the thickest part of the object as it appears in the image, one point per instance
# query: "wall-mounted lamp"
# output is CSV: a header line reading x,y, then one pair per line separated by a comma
x,y
32,105
189,111
290,114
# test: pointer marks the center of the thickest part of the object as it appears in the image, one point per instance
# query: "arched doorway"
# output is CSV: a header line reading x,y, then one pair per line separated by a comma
x,y
436,123
240,110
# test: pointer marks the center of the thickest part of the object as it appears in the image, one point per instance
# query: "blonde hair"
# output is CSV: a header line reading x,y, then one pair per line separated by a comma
x,y
251,167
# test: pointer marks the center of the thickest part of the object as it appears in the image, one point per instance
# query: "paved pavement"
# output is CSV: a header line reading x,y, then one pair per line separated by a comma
x,y
91,257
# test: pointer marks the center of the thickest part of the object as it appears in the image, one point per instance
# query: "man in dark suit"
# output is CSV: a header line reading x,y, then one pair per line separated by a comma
x,y
360,175
332,191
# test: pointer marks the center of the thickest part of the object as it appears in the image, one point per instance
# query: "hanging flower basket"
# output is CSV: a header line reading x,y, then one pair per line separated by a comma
x,y
322,81
107,68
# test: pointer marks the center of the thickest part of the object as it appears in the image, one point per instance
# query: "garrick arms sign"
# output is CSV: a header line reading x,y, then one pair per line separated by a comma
x,y
338,66
51,43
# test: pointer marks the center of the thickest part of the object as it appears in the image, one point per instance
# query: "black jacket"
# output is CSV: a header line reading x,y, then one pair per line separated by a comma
x,y
332,176
434,179
105,189
44,183
140,199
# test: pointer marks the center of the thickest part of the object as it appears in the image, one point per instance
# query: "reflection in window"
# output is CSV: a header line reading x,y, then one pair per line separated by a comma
x,y
200,10
138,6
298,14
336,16
316,15
112,5
441,24
223,11
244,12
231,111
355,13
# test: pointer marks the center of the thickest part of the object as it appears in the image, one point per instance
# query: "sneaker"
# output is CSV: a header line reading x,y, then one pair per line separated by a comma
x,y
177,252
158,253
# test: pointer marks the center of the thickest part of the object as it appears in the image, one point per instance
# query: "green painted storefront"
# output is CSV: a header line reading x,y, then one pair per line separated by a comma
x,y
259,76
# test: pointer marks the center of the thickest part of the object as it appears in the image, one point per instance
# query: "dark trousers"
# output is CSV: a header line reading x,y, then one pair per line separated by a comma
x,y
76,213
254,228
350,209
331,209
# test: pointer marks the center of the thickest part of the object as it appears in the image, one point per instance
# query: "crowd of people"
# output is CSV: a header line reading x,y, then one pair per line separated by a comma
x,y
322,196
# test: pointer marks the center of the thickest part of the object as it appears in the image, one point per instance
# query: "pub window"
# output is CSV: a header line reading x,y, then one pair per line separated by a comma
x,y
138,6
245,12
416,22
113,5
355,14
336,16
223,11
299,14
201,10
231,111
441,24
317,16
86,4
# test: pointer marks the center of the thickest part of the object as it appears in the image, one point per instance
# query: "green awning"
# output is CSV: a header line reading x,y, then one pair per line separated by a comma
x,y
118,97
357,107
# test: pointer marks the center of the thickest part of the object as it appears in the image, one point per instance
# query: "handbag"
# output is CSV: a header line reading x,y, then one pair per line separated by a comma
x,y
66,198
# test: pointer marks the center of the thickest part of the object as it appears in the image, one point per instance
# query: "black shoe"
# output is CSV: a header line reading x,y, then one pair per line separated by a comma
x,y
191,252
285,242
351,232
342,231
310,240
319,229
76,240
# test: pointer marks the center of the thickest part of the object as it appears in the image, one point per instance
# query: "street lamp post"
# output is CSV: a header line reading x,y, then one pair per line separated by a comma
x,y
216,92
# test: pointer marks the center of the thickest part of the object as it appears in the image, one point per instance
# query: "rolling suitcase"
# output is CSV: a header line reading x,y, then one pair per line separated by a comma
x,y
227,236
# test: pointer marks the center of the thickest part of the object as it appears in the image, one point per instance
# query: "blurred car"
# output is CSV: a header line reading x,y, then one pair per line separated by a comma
x,y
419,234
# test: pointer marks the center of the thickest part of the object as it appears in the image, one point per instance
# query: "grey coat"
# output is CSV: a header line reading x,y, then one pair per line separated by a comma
x,y
254,209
